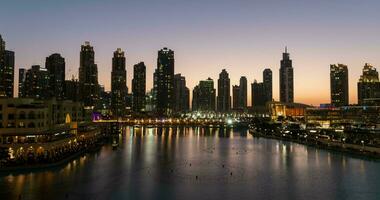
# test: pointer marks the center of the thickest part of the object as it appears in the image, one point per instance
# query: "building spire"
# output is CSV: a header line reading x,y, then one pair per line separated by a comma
x,y
286,49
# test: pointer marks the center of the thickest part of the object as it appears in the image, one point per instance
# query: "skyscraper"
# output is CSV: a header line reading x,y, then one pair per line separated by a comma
x,y
286,79
88,76
118,84
139,87
55,65
7,67
181,94
21,82
37,83
236,100
204,95
243,93
71,89
259,95
368,84
339,85
164,81
224,97
267,80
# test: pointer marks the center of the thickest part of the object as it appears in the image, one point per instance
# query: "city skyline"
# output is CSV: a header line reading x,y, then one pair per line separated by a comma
x,y
321,43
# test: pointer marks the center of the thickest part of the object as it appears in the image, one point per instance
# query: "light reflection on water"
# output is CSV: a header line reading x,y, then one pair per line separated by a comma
x,y
199,163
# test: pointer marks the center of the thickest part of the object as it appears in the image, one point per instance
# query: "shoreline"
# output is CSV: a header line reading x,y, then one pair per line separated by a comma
x,y
327,146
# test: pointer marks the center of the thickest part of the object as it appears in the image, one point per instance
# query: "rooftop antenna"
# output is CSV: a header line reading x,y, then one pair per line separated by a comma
x,y
286,49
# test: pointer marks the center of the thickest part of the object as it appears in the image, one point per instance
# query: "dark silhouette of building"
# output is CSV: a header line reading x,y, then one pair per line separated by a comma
x,y
243,93
236,98
204,95
368,84
164,82
286,79
118,83
55,65
71,89
88,76
139,87
267,80
224,97
36,83
259,94
7,70
339,85
181,94
21,82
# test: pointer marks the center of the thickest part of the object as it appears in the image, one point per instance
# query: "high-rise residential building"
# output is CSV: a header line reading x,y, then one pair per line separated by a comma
x,y
7,67
164,82
259,95
88,76
267,80
55,65
339,85
71,89
236,97
224,97
286,79
204,95
21,82
139,87
243,92
37,83
181,94
118,84
368,84
7,73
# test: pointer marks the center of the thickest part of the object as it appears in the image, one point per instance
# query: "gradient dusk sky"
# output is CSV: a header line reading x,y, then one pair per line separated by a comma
x,y
206,35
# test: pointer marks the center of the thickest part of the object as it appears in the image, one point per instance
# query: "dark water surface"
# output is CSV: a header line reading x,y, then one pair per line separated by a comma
x,y
197,163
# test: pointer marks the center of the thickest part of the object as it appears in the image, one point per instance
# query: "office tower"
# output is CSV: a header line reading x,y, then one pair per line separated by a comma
x,y
181,94
204,95
71,89
286,79
118,84
88,76
139,87
267,80
164,81
339,85
259,95
236,97
243,92
368,84
55,65
7,73
7,67
37,83
224,97
21,83
150,104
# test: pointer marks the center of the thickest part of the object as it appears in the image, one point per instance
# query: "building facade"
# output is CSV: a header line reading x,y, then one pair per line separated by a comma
x,y
268,84
36,83
236,97
224,97
259,95
118,83
204,95
7,67
181,94
286,79
55,65
368,85
139,88
339,85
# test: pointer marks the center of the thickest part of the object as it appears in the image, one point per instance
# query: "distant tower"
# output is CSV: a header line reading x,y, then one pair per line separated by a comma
x,y
286,79
368,84
139,87
88,76
181,94
55,65
7,68
224,97
37,83
204,95
21,82
267,80
242,93
339,85
118,84
164,82
236,100
258,94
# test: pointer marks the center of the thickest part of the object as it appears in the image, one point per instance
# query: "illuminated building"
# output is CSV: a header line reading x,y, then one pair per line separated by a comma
x,y
368,85
118,83
267,80
339,85
204,95
36,83
139,87
286,79
7,67
224,97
